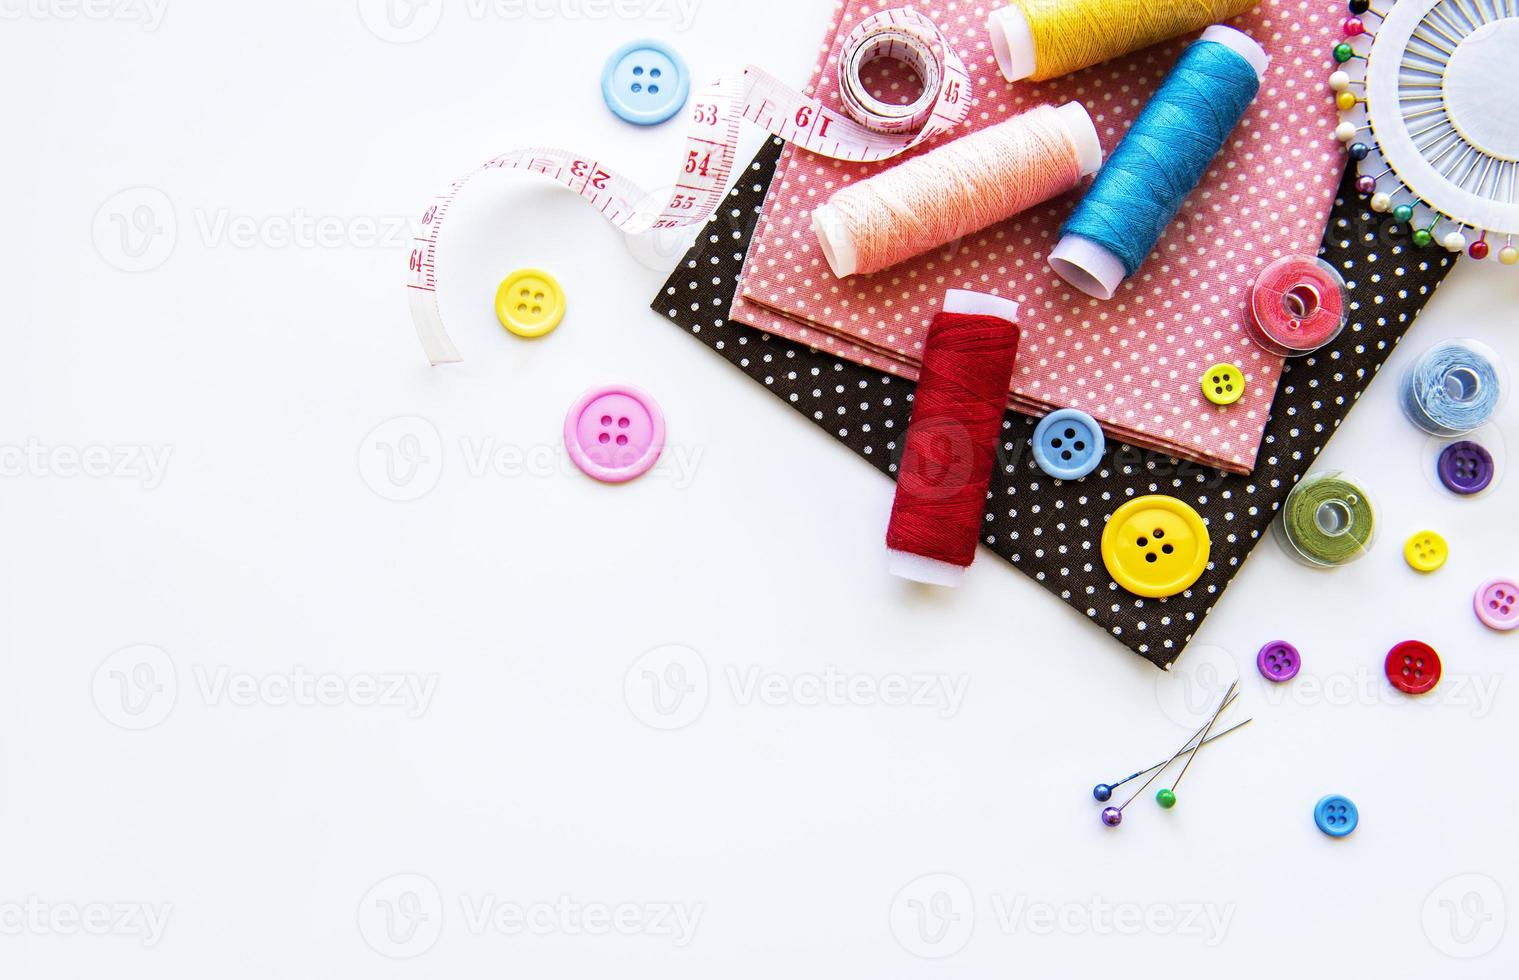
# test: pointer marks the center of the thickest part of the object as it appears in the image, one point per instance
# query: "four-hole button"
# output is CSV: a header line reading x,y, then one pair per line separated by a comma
x,y
1068,444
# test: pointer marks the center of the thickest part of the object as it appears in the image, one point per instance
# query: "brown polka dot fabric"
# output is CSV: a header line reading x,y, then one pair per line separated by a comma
x,y
1050,529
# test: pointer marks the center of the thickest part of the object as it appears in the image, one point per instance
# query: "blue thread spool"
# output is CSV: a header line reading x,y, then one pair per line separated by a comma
x,y
1453,387
1159,161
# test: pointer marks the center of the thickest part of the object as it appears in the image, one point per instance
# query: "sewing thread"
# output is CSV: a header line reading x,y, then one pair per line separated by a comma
x,y
1327,520
1161,158
1453,387
1296,305
957,189
951,442
1044,39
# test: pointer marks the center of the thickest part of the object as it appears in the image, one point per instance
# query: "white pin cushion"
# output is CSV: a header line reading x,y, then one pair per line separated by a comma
x,y
833,235
1091,267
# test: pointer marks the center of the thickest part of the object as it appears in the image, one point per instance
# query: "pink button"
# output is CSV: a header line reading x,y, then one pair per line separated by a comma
x,y
614,433
1497,603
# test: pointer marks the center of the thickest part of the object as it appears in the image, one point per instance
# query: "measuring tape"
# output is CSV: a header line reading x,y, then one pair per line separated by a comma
x,y
872,130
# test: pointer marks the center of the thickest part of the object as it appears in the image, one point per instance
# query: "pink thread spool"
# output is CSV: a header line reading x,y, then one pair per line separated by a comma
x,y
957,189
1297,305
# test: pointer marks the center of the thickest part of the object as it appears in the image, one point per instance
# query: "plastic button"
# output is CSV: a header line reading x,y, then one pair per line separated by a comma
x,y
1497,604
1278,661
1413,667
1426,551
1336,815
1223,384
1465,467
615,433
1155,546
645,82
1068,444
529,303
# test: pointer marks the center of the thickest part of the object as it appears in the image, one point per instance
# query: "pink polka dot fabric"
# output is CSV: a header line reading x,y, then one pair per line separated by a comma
x,y
1133,362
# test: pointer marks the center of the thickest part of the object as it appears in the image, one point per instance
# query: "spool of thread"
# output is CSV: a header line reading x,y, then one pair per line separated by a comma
x,y
1453,387
951,444
1162,157
1326,521
956,189
1043,39
1297,305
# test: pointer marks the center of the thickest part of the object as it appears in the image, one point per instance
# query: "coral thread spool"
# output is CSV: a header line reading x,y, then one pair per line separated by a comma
x,y
956,189
951,443
1297,305
1117,225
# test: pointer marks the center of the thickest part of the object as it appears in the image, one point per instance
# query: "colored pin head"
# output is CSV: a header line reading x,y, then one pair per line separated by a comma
x,y
1102,792
1112,816
1165,798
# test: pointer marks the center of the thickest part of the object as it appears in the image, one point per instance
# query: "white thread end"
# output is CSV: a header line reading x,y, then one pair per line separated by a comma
x,y
1088,266
1012,42
1241,44
970,302
929,571
1083,132
833,237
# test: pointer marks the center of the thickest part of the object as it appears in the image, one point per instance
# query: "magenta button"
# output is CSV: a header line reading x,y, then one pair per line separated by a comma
x,y
614,433
1497,604
1278,661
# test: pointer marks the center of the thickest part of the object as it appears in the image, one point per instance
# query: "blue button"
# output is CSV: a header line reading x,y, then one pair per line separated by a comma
x,y
1335,815
645,82
1068,444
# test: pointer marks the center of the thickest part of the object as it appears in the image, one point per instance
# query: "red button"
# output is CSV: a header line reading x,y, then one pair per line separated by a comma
x,y
1413,667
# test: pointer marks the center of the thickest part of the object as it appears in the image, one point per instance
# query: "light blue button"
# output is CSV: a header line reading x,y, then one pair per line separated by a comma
x,y
645,82
1068,444
1336,815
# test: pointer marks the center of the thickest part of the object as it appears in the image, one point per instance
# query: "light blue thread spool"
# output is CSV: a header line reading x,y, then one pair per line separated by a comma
x,y
1161,158
1453,388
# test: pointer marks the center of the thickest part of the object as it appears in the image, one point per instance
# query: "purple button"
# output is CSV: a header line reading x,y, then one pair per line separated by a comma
x,y
615,433
1278,661
1466,467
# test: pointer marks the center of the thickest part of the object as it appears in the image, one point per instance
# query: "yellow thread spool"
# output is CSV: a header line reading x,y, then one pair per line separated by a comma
x,y
1044,39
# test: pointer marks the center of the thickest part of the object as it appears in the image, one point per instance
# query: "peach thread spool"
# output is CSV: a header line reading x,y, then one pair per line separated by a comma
x,y
957,189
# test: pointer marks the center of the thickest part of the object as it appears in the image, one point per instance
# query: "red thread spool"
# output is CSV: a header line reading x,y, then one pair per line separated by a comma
x,y
1297,305
952,438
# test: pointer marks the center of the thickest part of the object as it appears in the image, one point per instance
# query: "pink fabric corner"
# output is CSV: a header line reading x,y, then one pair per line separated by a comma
x,y
1133,362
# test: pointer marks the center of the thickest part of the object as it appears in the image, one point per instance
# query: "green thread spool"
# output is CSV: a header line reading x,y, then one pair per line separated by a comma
x,y
1326,521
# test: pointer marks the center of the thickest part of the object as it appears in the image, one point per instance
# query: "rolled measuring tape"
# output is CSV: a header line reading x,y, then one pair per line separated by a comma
x,y
870,130
1297,305
1454,387
1326,521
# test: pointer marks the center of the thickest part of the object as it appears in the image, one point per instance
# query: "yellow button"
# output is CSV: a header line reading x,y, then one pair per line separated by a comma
x,y
1155,546
529,303
1223,384
1426,551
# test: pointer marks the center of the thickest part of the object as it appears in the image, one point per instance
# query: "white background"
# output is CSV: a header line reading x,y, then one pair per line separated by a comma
x,y
522,599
